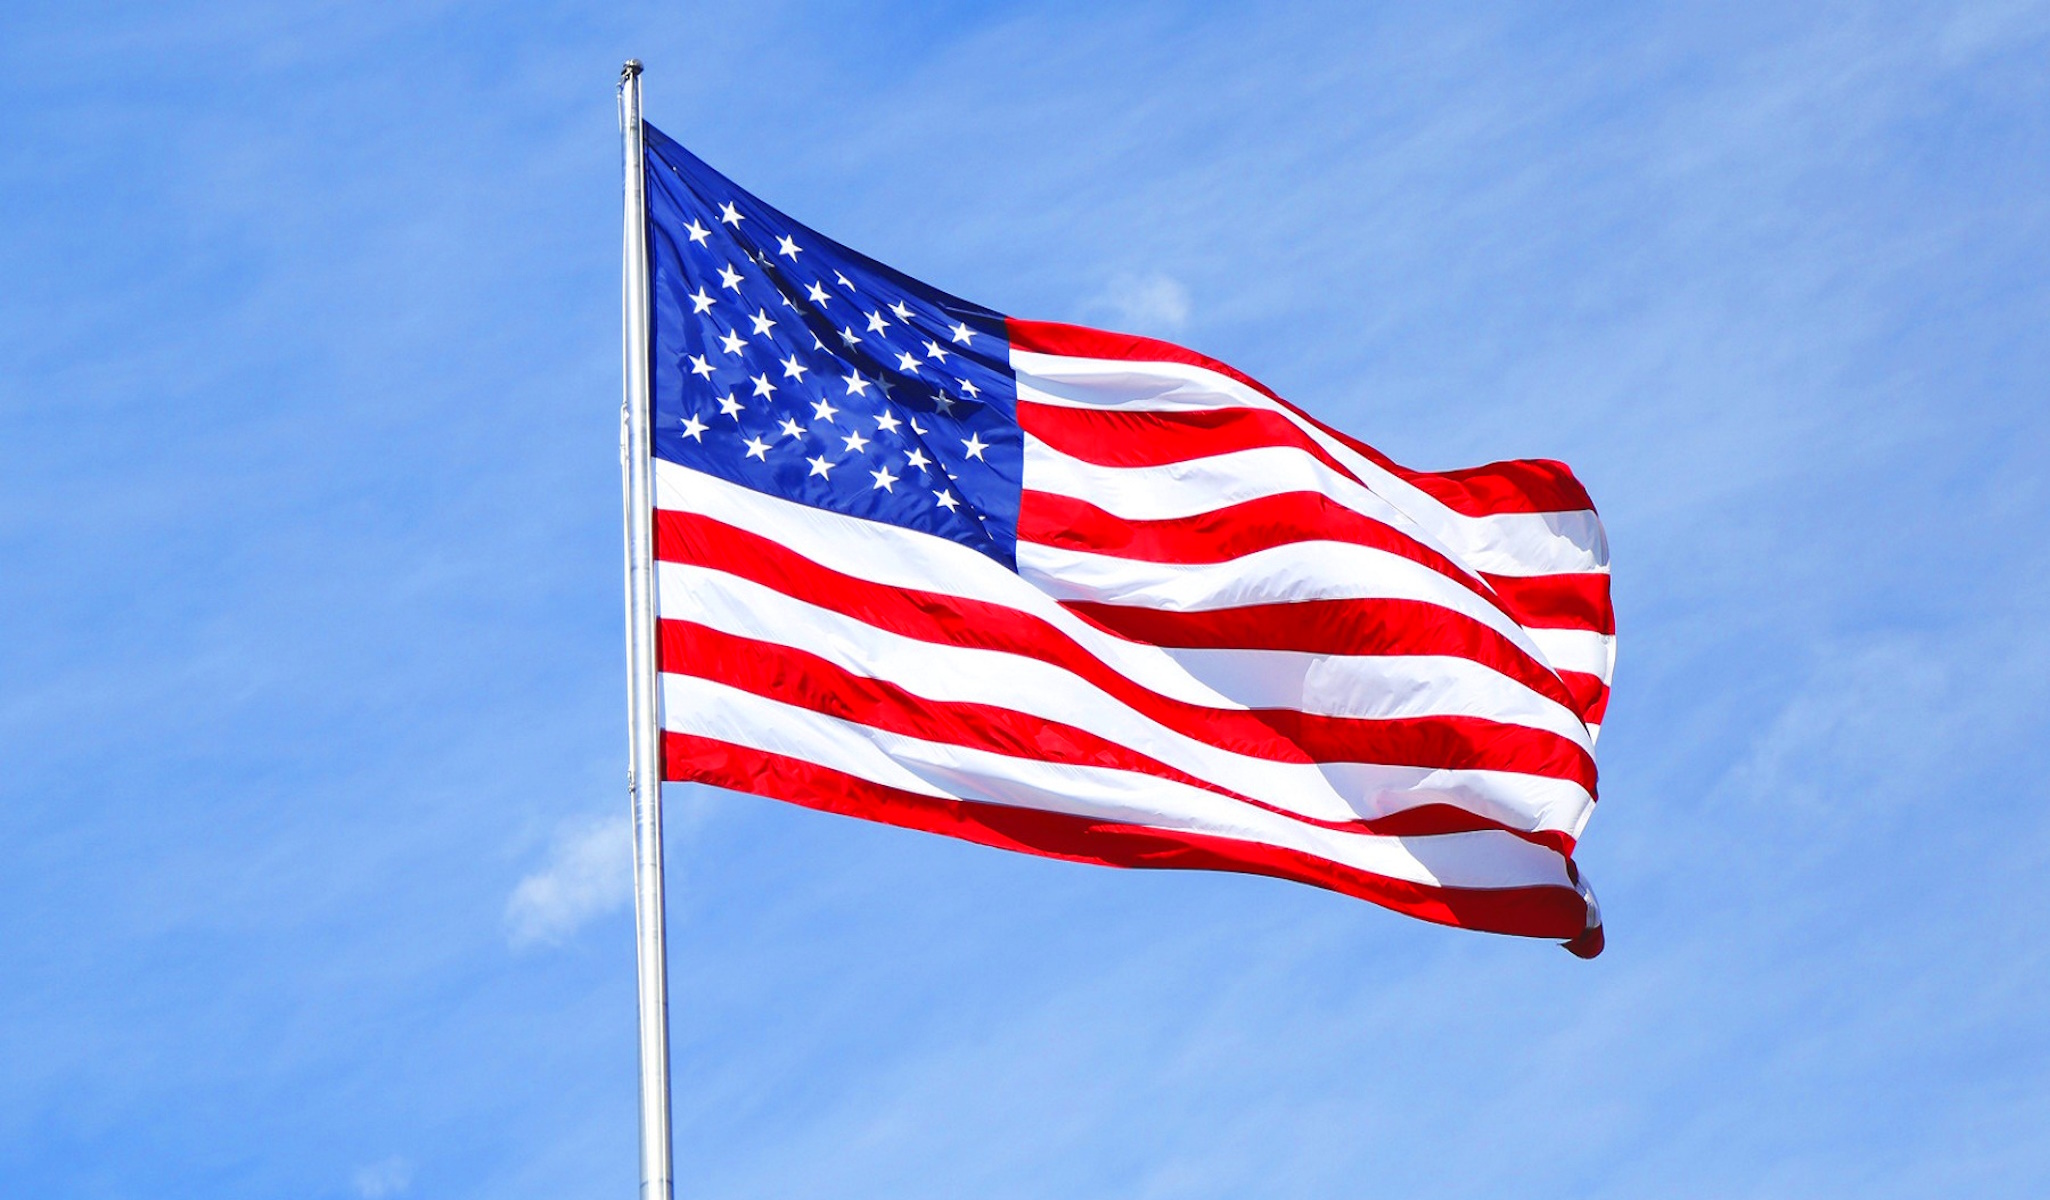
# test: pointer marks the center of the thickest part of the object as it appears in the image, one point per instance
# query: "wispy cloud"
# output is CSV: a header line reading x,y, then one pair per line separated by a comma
x,y
1154,303
589,873
391,1177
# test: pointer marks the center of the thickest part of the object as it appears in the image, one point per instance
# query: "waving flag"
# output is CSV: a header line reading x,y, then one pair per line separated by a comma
x,y
1098,597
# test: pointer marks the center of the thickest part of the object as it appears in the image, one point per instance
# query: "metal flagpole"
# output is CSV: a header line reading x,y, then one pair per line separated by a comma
x,y
644,769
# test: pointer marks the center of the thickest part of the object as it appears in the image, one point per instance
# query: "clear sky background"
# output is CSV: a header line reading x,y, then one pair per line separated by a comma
x,y
312,849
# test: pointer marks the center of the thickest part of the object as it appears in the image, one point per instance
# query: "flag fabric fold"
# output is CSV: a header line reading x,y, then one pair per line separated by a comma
x,y
1099,597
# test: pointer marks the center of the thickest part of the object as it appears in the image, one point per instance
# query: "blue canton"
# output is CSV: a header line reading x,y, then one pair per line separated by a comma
x,y
789,364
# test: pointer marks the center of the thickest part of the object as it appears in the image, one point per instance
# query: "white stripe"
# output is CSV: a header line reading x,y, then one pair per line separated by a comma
x,y
966,675
1580,650
1379,687
1481,860
1514,543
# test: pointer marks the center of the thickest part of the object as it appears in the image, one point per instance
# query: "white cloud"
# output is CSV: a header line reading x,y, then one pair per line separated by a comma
x,y
1145,303
392,1177
589,873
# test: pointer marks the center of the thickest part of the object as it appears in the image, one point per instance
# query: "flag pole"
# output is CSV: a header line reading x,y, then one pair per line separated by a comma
x,y
644,764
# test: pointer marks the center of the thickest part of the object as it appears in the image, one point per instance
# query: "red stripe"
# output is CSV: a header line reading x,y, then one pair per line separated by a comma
x,y
1538,911
795,677
1279,735
1221,534
1537,602
1117,438
1524,485
1590,695
1574,601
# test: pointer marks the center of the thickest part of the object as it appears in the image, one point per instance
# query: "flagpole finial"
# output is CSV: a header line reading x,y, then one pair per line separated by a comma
x,y
631,69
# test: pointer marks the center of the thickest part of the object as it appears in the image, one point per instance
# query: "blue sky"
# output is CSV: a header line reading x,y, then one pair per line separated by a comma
x,y
311,842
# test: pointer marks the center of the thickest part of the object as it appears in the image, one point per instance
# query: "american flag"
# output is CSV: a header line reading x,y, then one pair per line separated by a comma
x,y
1099,597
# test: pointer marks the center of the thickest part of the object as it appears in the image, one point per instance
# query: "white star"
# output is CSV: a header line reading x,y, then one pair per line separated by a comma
x,y
698,366
975,446
876,324
945,402
945,499
847,335
906,363
903,313
818,293
919,460
701,302
962,333
856,385
757,448
693,428
787,302
884,480
698,233
729,277
729,406
823,410
762,385
917,428
855,442
820,467
792,369
816,344
730,215
763,324
787,247
733,342
843,281
968,386
791,427
933,351
887,423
